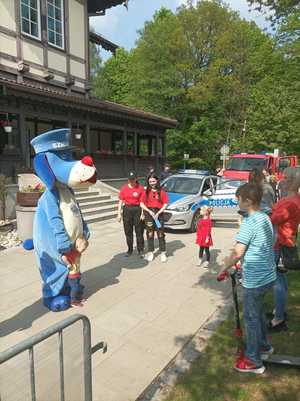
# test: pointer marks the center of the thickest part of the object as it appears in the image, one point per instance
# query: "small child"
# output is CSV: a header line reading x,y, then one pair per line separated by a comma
x,y
72,260
204,239
254,245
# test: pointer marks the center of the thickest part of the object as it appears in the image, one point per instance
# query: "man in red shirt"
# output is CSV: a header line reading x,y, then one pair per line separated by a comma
x,y
154,201
129,199
286,219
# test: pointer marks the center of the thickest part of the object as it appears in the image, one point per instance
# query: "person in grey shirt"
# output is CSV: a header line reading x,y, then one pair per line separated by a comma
x,y
269,198
289,174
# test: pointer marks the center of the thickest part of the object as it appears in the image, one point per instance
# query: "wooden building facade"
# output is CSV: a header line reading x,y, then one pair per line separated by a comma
x,y
45,84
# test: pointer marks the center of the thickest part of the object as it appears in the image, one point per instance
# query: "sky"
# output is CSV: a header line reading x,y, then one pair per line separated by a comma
x,y
121,26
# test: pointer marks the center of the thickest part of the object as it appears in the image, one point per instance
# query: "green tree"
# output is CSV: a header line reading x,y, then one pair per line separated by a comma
x,y
211,70
275,10
113,81
95,60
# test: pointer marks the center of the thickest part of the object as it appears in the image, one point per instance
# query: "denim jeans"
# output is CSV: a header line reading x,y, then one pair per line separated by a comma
x,y
255,322
280,291
75,288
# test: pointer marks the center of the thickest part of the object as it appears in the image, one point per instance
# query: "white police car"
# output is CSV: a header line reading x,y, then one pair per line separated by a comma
x,y
188,190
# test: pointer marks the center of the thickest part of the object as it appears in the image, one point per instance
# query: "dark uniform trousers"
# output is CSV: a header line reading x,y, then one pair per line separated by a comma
x,y
132,218
151,228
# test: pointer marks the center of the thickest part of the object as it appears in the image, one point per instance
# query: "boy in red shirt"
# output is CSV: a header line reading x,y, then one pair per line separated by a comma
x,y
154,201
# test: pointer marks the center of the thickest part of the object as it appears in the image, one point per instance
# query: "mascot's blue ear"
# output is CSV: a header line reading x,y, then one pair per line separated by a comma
x,y
58,303
43,170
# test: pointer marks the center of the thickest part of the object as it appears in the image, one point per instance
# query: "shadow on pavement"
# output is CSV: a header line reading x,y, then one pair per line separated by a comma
x,y
95,279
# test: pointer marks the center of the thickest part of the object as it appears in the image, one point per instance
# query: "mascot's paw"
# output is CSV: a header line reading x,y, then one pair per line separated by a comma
x,y
57,304
28,244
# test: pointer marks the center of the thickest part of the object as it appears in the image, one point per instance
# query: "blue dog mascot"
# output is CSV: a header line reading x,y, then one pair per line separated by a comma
x,y
58,223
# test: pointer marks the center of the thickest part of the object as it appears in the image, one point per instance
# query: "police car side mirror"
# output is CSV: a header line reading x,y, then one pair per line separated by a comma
x,y
208,192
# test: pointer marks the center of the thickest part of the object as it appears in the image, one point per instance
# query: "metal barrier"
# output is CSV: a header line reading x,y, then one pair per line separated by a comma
x,y
28,345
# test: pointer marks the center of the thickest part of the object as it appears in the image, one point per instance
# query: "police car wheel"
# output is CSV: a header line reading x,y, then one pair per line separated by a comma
x,y
194,223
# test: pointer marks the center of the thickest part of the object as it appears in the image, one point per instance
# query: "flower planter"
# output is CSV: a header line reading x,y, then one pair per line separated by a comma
x,y
28,198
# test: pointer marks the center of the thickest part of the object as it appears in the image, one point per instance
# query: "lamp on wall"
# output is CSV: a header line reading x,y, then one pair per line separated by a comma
x,y
78,133
7,125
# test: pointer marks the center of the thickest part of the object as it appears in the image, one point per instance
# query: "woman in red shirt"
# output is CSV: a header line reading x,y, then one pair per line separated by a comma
x,y
286,218
129,198
154,201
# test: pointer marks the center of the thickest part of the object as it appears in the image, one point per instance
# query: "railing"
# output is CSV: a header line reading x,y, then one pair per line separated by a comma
x,y
57,329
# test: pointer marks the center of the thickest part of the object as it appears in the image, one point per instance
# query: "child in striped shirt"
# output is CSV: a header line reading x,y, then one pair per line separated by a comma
x,y
254,244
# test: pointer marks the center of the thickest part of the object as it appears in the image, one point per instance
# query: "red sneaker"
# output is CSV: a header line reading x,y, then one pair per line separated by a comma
x,y
245,365
74,304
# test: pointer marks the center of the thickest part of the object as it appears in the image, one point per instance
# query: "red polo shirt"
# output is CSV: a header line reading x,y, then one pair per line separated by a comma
x,y
286,217
131,196
153,201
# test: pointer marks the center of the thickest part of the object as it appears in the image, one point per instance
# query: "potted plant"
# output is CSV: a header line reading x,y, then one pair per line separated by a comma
x,y
30,195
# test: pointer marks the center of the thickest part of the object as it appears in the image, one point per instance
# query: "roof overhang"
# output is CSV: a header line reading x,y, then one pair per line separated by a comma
x,y
98,7
103,42
103,107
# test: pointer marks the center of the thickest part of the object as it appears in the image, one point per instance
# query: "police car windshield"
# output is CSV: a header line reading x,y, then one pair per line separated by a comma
x,y
183,185
246,163
230,184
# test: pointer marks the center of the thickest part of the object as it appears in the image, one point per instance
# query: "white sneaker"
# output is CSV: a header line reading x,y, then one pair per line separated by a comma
x,y
205,264
266,353
200,261
163,257
150,256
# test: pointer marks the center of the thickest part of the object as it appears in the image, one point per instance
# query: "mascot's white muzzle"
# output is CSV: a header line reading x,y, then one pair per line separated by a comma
x,y
83,172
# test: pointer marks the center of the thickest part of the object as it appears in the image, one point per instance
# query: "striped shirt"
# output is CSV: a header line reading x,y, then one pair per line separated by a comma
x,y
256,232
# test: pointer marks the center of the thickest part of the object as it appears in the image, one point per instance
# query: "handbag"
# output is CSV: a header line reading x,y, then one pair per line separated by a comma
x,y
290,257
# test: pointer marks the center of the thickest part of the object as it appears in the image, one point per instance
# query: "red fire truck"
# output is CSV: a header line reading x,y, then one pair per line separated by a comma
x,y
239,165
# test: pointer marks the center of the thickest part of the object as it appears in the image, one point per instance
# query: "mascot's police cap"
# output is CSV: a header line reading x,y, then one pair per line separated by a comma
x,y
54,140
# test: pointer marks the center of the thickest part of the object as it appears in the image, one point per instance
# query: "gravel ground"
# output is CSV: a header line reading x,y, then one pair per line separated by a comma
x,y
8,236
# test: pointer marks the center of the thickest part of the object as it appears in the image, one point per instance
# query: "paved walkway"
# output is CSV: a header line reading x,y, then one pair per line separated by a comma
x,y
145,312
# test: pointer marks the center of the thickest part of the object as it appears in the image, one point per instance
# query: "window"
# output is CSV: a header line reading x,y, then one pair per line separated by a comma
x,y
130,143
246,163
30,18
143,145
183,185
55,17
117,142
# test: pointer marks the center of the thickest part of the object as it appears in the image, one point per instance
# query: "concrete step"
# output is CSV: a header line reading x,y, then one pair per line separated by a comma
x,y
97,204
83,194
101,217
92,198
98,211
81,189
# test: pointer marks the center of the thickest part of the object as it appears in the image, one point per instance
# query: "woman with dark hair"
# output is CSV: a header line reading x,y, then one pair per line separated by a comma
x,y
154,201
269,198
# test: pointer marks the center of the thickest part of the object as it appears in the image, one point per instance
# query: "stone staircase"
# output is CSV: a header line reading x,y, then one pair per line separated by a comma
x,y
95,205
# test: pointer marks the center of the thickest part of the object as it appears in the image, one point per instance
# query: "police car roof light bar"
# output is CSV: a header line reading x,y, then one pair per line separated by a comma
x,y
190,171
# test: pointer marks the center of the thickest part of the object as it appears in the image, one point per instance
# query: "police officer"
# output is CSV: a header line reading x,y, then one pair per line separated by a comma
x,y
129,198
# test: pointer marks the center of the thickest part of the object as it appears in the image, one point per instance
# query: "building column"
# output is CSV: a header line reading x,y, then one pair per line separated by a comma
x,y
24,139
157,167
135,147
125,147
88,137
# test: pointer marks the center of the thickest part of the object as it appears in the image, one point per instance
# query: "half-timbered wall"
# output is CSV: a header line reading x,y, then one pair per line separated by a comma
x,y
62,60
